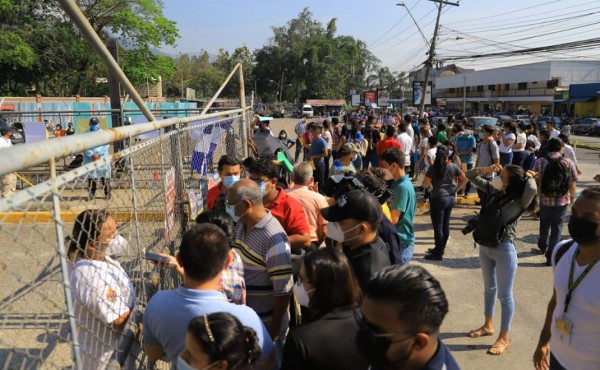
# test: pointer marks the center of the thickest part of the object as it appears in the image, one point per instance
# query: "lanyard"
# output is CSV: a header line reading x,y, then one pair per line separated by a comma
x,y
572,285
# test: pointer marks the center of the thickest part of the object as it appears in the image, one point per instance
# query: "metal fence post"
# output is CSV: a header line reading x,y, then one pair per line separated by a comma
x,y
180,179
64,264
243,105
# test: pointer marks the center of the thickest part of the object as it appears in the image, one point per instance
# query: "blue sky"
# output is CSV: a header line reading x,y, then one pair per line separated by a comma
x,y
390,33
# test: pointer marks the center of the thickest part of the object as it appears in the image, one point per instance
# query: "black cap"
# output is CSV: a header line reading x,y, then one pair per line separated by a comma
x,y
5,130
357,204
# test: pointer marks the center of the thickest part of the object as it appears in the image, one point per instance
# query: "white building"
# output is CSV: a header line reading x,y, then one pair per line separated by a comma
x,y
538,87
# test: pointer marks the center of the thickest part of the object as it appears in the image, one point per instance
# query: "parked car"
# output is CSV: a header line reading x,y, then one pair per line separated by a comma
x,y
586,126
18,136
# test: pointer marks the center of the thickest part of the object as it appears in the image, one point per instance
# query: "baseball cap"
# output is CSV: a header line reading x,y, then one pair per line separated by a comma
x,y
94,121
348,148
5,129
357,204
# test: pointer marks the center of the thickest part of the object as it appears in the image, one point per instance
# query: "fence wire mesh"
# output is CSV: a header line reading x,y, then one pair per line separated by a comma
x,y
57,302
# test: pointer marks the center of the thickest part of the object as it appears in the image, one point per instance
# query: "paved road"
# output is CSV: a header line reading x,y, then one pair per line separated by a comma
x,y
460,276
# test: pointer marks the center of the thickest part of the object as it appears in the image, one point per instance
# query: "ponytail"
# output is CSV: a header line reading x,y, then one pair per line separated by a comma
x,y
440,162
253,346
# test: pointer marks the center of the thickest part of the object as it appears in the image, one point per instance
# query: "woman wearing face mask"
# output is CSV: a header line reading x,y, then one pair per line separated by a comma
x,y
519,146
103,295
285,140
331,292
507,139
218,341
515,190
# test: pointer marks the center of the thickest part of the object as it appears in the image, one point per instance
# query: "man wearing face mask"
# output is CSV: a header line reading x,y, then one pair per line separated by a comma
x,y
570,338
104,172
399,321
265,251
343,164
354,221
288,211
229,169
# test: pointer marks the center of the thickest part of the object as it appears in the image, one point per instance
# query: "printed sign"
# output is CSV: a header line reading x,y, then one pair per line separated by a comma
x,y
383,98
419,92
370,98
34,132
170,194
196,203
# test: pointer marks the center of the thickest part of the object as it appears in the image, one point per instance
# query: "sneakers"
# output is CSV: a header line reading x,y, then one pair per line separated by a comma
x,y
433,257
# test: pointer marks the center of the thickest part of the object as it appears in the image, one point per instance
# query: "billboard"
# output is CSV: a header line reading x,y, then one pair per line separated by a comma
x,y
418,92
370,98
355,100
383,97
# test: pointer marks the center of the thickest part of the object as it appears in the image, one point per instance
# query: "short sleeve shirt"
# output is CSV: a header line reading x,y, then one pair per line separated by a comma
x,y
487,153
540,166
463,144
266,254
443,187
405,201
504,148
290,214
312,202
337,168
317,147
213,194
300,128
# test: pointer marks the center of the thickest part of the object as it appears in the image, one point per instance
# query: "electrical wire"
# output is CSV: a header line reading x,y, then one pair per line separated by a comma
x,y
395,24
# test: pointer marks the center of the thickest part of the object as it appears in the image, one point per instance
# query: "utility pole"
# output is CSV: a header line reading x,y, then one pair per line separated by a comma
x,y
429,62
464,96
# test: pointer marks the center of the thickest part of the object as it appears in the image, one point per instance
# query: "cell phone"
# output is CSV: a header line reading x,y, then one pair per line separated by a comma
x,y
155,257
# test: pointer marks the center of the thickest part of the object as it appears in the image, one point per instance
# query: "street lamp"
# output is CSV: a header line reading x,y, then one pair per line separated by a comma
x,y
416,24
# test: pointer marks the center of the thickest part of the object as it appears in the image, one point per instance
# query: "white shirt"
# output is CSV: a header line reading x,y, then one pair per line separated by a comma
x,y
5,143
410,131
554,133
521,139
584,313
535,141
407,144
431,152
570,153
102,292
504,148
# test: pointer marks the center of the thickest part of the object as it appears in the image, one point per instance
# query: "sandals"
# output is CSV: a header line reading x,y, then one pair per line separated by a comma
x,y
481,332
498,348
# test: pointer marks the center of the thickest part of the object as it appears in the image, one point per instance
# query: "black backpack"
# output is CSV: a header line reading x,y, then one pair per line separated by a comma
x,y
555,179
489,231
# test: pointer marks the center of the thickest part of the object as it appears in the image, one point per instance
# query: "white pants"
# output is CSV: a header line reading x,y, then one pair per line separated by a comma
x,y
8,185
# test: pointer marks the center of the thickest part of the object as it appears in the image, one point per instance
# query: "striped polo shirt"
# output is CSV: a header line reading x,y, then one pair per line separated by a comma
x,y
265,251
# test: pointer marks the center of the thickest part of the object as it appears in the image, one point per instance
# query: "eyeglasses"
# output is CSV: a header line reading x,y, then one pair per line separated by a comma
x,y
373,331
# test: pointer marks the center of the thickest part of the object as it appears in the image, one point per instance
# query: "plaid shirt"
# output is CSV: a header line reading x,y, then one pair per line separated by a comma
x,y
335,136
540,165
233,284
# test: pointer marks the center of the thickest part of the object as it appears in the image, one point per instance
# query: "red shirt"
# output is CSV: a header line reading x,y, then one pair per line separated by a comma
x,y
290,214
387,143
213,195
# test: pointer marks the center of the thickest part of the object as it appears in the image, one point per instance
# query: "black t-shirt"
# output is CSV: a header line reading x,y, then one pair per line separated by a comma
x,y
372,135
368,259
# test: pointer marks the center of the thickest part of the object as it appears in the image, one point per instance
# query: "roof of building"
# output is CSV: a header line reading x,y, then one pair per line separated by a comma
x,y
326,102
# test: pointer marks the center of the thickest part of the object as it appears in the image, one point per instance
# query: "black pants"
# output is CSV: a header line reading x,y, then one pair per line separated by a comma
x,y
554,364
319,173
468,186
440,210
92,185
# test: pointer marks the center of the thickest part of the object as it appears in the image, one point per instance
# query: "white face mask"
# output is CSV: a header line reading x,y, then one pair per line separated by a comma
x,y
118,246
334,231
302,295
497,183
182,365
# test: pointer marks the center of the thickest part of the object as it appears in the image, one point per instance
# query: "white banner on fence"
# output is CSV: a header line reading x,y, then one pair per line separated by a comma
x,y
170,201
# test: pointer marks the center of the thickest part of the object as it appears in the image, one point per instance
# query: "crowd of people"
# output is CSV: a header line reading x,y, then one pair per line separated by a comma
x,y
310,269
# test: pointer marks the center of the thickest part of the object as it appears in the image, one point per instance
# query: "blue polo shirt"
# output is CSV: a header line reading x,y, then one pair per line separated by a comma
x,y
463,144
317,147
442,359
405,201
169,312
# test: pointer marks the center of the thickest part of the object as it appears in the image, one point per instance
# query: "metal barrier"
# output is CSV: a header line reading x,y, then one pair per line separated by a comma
x,y
157,184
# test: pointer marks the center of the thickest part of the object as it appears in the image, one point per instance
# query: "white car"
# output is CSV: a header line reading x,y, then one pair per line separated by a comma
x,y
308,110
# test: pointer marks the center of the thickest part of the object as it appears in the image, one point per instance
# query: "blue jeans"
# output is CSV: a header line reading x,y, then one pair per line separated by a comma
x,y
506,158
499,267
440,210
407,253
298,150
551,224
519,158
371,158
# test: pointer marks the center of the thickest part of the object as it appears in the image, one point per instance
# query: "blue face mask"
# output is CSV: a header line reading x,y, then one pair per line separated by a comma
x,y
228,181
182,365
263,188
94,128
230,209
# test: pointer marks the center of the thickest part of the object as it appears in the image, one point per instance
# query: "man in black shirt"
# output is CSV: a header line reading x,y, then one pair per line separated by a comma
x,y
354,221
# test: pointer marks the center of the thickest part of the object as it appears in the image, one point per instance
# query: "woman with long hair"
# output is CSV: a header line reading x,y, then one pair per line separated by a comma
x,y
218,341
507,140
332,292
446,180
103,295
515,191
520,145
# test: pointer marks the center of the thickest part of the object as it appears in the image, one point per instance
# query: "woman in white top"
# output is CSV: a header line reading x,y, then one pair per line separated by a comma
x,y
103,295
532,135
568,151
518,147
425,135
326,135
507,139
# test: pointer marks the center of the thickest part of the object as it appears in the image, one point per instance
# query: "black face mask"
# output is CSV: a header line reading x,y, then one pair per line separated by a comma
x,y
583,231
374,350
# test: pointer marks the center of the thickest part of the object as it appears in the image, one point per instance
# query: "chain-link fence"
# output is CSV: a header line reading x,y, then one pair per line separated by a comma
x,y
60,306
